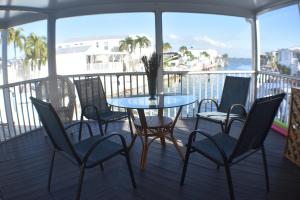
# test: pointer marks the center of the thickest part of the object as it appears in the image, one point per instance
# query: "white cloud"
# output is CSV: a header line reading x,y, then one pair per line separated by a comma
x,y
173,37
208,40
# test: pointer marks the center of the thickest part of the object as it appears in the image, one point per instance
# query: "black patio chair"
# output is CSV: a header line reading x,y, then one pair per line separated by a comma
x,y
226,151
93,103
232,103
86,153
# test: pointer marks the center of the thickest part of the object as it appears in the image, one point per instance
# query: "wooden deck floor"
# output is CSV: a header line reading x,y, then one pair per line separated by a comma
x,y
25,163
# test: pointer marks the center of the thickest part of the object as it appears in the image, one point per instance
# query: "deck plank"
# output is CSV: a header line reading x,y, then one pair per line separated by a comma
x,y
24,165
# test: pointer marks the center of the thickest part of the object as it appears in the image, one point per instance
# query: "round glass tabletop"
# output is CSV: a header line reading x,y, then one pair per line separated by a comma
x,y
143,102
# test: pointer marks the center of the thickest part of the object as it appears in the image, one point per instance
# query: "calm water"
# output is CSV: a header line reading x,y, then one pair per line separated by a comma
x,y
239,64
206,86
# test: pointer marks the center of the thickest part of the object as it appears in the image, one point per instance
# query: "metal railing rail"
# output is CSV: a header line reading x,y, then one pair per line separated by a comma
x,y
205,84
269,83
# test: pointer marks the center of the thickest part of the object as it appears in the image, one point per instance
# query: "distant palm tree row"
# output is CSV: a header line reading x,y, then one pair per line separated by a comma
x,y
166,47
185,52
34,47
129,44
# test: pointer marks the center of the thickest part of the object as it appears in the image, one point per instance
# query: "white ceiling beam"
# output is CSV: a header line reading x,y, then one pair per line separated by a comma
x,y
23,19
98,7
152,7
275,6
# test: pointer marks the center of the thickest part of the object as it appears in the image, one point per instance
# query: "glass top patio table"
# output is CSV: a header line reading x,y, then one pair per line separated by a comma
x,y
150,128
161,101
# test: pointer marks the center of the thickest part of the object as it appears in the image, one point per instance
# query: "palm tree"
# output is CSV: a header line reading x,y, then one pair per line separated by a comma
x,y
35,51
183,50
127,44
190,55
166,47
204,53
17,38
142,42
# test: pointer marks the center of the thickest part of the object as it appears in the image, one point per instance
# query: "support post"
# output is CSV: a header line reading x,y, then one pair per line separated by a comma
x,y
52,73
6,92
159,51
51,26
255,54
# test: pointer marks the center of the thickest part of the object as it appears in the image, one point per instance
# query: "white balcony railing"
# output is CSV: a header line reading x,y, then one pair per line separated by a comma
x,y
206,84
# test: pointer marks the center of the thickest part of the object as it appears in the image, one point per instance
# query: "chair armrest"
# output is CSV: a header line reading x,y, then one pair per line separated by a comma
x,y
244,114
236,106
211,101
95,108
92,148
232,120
81,122
211,139
89,106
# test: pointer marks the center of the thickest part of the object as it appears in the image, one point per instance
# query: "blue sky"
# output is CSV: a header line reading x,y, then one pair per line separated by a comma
x,y
280,28
232,35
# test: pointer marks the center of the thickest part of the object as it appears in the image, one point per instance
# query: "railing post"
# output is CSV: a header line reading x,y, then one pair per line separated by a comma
x,y
6,92
158,42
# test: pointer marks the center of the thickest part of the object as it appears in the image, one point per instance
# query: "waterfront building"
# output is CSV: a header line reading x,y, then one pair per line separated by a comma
x,y
97,54
205,59
290,59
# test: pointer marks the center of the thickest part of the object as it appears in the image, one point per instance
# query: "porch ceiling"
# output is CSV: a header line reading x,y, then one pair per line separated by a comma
x,y
15,12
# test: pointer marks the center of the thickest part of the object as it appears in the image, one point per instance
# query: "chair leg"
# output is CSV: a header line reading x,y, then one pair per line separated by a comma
x,y
223,128
100,128
197,121
196,127
130,124
130,168
51,170
80,127
265,168
187,157
82,168
105,127
229,180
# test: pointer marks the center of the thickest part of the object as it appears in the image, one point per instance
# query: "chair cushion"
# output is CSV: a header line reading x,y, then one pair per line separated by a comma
x,y
207,148
106,116
103,151
155,122
219,117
